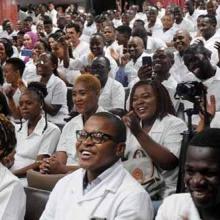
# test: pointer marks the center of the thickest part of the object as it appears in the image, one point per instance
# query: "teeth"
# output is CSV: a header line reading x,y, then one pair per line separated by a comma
x,y
86,153
140,109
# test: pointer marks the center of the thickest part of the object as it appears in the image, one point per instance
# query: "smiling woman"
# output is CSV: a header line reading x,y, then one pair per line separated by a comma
x,y
154,131
85,97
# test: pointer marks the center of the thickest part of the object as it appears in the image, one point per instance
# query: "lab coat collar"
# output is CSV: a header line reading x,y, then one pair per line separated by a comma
x,y
110,184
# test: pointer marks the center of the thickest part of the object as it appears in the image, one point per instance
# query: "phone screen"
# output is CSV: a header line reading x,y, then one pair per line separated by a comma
x,y
147,61
26,53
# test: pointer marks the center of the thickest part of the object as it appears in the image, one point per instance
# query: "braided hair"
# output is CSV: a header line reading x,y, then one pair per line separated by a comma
x,y
40,90
7,136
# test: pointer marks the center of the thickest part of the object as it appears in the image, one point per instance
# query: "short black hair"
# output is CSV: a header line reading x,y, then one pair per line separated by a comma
x,y
212,19
8,46
17,64
210,137
124,29
118,124
47,20
195,49
28,18
74,25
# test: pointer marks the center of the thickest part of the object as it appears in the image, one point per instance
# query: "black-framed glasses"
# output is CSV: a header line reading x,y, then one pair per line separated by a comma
x,y
96,137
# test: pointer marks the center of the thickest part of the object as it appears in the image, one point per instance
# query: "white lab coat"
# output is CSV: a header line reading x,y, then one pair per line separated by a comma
x,y
12,196
117,197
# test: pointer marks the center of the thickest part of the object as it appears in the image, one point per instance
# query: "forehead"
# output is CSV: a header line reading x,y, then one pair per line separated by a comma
x,y
96,39
159,52
205,20
102,124
181,34
134,41
108,28
26,36
203,155
143,89
80,86
71,29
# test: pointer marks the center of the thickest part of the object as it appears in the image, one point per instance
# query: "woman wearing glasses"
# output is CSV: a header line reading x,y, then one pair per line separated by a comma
x,y
154,131
85,97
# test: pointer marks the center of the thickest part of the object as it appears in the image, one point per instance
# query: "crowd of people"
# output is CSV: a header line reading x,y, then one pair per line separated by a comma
x,y
109,101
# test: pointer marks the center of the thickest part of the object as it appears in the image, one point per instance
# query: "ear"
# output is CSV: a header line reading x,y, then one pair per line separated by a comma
x,y
120,149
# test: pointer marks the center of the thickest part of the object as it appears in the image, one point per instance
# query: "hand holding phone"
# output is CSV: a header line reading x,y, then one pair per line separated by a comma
x,y
26,53
147,61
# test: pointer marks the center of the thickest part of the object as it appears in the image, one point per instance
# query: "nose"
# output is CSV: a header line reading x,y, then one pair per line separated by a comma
x,y
198,180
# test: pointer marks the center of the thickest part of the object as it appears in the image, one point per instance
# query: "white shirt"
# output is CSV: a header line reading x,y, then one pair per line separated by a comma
x,y
117,197
166,36
72,72
37,143
88,31
153,44
178,207
209,44
185,24
57,95
179,70
112,95
215,123
168,133
194,16
53,16
67,140
30,72
157,26
117,22
131,68
13,198
81,49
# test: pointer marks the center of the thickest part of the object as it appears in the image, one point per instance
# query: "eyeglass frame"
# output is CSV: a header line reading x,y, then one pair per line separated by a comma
x,y
104,137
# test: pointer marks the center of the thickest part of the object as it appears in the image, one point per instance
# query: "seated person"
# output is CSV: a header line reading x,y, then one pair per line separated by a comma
x,y
154,132
13,199
56,99
36,138
202,178
85,97
14,86
67,67
101,188
112,93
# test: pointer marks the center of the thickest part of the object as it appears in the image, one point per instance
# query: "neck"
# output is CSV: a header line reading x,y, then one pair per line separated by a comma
x,y
87,114
209,36
210,213
45,79
15,84
163,76
109,43
32,122
146,123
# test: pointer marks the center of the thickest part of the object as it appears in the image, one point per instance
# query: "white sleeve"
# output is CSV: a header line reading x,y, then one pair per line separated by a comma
x,y
59,94
16,203
173,135
118,96
49,141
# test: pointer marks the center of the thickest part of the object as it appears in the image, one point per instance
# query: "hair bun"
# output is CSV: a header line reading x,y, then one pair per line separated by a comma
x,y
39,88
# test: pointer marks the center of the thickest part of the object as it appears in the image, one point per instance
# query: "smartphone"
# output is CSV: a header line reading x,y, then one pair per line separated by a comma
x,y
26,52
147,61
